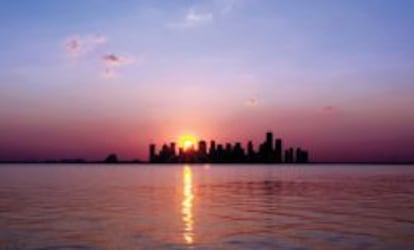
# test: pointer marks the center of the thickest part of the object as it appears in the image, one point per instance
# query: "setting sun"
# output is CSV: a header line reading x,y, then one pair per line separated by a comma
x,y
187,142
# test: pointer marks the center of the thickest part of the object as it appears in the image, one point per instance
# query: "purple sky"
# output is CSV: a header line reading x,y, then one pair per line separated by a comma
x,y
86,78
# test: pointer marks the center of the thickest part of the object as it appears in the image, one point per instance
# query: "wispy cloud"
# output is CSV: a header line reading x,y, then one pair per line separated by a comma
x,y
113,61
192,19
77,45
81,45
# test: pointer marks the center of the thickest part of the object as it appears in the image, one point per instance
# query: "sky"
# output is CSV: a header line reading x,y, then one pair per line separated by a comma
x,y
81,79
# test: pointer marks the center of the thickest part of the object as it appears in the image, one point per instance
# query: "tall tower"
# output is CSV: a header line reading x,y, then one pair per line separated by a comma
x,y
301,156
202,147
298,155
279,150
269,156
289,155
238,153
212,151
305,156
269,141
250,151
152,152
228,153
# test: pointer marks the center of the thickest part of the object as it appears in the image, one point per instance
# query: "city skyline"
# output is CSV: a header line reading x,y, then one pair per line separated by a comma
x,y
269,152
87,78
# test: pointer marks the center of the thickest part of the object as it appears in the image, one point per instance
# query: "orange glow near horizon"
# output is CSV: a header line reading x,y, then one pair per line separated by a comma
x,y
187,142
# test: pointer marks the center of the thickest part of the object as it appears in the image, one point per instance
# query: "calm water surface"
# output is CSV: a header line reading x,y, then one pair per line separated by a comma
x,y
206,207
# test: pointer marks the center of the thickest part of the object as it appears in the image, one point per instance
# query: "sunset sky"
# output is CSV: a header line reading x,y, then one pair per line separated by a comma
x,y
87,78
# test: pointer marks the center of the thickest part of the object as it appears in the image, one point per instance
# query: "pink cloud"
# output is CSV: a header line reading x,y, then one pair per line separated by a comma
x,y
73,46
112,60
78,45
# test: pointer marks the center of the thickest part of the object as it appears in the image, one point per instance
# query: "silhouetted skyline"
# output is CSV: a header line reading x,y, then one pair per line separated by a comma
x,y
269,151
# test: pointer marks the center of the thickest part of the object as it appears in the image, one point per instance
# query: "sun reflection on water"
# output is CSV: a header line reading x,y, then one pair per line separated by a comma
x,y
187,205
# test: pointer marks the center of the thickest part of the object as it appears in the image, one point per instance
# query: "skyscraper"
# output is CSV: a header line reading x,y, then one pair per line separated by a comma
x,y
212,147
269,154
202,147
269,141
250,152
212,151
220,153
152,152
289,155
238,153
228,152
279,150
301,156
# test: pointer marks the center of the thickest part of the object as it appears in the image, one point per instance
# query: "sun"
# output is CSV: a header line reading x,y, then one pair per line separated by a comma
x,y
187,142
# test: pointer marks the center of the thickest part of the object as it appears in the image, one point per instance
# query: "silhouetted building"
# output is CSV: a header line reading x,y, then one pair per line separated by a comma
x,y
250,152
278,150
269,141
152,153
216,153
289,155
238,153
212,152
269,155
202,147
305,157
180,155
301,156
220,154
228,153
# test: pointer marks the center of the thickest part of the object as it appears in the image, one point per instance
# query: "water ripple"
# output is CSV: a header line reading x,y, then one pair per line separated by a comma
x,y
220,207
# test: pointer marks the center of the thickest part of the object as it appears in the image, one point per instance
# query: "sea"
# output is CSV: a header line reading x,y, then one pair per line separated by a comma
x,y
206,206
